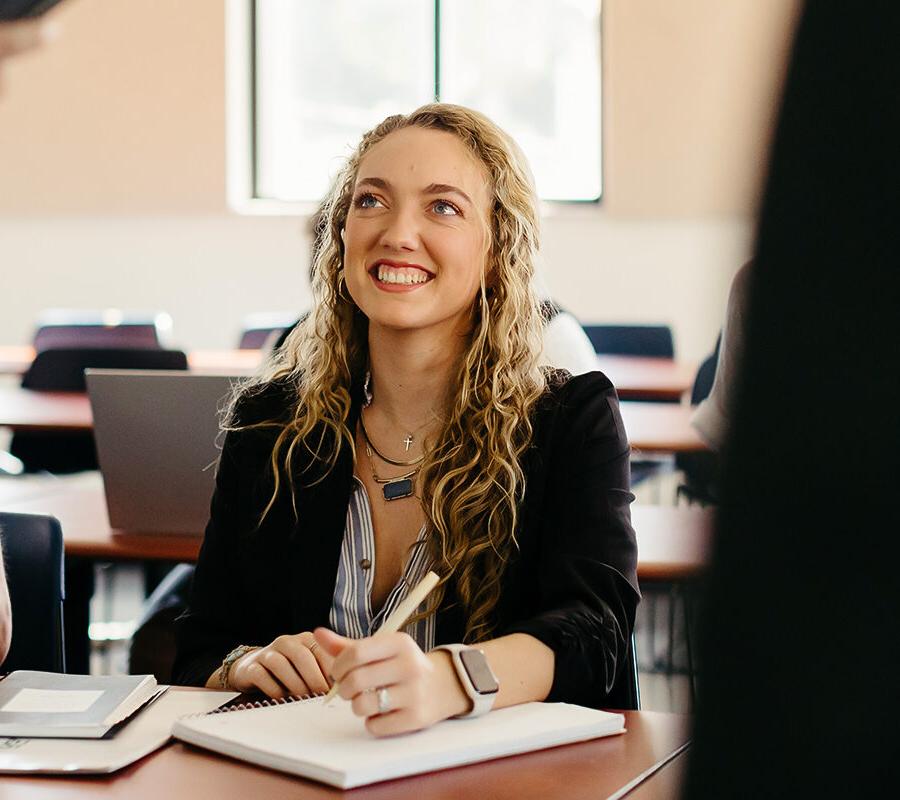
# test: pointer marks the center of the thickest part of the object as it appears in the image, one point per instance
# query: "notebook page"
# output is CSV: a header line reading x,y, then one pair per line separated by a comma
x,y
330,743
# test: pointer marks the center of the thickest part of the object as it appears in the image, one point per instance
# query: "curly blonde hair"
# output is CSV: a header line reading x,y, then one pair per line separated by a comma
x,y
471,481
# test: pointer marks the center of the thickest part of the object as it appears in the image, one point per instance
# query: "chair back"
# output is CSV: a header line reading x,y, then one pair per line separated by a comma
x,y
33,556
706,375
261,328
95,329
62,370
632,340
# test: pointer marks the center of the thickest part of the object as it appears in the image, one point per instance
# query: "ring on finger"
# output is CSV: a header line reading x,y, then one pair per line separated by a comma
x,y
384,699
313,647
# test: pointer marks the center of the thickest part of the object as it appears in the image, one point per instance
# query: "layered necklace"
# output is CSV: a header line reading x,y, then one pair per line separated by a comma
x,y
400,486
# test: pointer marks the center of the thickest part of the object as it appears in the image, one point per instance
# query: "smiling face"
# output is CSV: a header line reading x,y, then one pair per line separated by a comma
x,y
414,240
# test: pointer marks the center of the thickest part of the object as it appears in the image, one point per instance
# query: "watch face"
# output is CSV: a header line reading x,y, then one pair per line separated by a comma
x,y
479,672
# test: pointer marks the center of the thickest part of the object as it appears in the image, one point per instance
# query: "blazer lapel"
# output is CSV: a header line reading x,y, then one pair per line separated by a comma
x,y
317,539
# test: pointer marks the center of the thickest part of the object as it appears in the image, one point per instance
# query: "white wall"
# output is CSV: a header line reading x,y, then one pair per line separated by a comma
x,y
112,172
208,272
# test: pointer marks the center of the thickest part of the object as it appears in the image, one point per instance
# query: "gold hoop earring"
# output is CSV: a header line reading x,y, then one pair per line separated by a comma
x,y
342,292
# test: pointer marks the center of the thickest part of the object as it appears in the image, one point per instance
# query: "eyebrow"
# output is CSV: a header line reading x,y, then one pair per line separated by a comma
x,y
432,188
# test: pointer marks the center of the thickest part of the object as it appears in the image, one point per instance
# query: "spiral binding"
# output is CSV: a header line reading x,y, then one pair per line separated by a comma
x,y
270,703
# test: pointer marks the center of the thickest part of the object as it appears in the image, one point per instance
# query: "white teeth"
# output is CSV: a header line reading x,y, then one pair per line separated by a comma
x,y
403,275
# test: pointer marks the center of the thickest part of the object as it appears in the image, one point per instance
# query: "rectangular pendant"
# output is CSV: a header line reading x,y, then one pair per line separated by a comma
x,y
396,490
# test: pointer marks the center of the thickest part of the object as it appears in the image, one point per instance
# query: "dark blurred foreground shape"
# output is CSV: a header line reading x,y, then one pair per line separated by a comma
x,y
799,655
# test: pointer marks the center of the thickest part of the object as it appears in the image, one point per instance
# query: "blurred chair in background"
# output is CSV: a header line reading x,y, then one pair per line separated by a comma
x,y
62,370
33,555
650,341
263,328
56,328
646,341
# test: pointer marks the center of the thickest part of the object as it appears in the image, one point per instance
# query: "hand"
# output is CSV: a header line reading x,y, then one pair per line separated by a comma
x,y
422,688
291,665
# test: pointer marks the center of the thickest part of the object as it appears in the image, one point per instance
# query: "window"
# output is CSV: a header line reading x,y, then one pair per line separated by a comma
x,y
306,79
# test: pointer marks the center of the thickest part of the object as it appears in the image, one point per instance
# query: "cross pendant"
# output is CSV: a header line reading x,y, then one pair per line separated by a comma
x,y
408,441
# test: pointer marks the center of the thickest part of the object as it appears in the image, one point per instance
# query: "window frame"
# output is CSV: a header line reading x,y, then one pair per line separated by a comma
x,y
240,116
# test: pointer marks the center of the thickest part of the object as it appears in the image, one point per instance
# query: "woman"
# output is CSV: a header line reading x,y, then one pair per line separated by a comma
x,y
405,426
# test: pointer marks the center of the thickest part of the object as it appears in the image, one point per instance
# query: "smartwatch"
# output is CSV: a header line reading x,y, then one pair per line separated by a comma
x,y
476,677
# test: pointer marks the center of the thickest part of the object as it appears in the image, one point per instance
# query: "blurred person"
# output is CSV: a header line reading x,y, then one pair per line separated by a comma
x,y
710,418
798,692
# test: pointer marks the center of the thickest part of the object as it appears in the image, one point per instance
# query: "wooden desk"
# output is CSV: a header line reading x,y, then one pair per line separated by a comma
x,y
585,771
648,378
673,543
667,781
660,427
651,427
634,378
26,410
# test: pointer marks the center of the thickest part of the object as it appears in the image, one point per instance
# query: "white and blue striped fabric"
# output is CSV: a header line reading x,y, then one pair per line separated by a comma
x,y
351,608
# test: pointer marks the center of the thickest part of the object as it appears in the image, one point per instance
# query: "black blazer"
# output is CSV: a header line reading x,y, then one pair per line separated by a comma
x,y
572,583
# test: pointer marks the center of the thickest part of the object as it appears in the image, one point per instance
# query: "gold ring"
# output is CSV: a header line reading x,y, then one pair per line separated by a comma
x,y
312,647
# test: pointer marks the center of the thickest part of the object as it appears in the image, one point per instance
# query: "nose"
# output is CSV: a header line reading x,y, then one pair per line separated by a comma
x,y
401,230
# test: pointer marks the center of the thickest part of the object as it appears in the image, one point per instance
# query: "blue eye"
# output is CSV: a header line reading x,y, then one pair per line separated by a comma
x,y
367,201
445,209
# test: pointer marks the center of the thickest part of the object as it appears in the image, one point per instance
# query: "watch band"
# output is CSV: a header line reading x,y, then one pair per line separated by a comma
x,y
228,662
482,698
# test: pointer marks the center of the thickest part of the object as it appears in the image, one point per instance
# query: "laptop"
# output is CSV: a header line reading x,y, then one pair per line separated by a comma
x,y
158,438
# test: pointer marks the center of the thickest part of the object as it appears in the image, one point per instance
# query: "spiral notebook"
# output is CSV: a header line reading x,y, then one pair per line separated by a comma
x,y
329,743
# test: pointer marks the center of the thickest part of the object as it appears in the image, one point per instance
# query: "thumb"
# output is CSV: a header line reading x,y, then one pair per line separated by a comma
x,y
331,642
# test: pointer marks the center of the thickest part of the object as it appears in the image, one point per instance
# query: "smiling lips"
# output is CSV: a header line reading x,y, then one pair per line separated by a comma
x,y
399,273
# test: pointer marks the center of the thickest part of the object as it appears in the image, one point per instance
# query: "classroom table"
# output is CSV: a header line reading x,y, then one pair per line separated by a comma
x,y
651,427
673,542
599,769
635,377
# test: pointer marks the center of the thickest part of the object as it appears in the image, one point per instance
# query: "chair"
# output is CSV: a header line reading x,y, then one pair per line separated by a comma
x,y
152,650
63,370
259,329
632,340
60,328
33,556
650,341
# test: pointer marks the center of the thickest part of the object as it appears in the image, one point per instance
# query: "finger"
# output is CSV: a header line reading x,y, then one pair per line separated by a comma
x,y
365,651
405,720
380,673
304,663
259,677
365,704
324,658
284,672
326,662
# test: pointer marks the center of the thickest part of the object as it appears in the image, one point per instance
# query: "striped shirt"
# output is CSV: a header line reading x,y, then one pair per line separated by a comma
x,y
351,608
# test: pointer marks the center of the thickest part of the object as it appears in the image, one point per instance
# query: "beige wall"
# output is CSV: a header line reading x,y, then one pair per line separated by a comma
x,y
112,171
